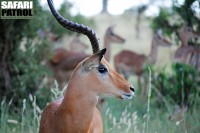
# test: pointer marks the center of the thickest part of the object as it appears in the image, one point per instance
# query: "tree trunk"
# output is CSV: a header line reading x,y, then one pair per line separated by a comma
x,y
4,68
105,6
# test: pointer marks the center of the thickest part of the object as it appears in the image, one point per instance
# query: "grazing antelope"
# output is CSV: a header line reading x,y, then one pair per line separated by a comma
x,y
178,114
128,62
63,62
183,52
76,112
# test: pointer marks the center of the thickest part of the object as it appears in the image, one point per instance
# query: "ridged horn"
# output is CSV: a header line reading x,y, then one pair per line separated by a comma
x,y
80,28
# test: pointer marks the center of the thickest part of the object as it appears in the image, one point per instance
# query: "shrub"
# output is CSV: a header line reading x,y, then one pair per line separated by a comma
x,y
181,87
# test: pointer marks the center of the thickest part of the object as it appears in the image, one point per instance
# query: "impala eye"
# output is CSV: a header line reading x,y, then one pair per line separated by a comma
x,y
102,69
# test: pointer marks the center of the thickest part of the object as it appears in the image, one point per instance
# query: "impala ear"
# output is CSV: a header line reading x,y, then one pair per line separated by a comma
x,y
93,61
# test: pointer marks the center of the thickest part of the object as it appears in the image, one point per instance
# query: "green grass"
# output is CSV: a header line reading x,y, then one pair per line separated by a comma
x,y
26,118
139,115
131,117
119,116
20,120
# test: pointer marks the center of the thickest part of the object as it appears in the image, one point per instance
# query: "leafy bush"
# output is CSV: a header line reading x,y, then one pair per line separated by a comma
x,y
172,19
23,53
181,87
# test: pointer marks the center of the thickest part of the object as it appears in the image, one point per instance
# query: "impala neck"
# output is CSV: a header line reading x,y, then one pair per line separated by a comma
x,y
184,40
107,45
78,106
153,53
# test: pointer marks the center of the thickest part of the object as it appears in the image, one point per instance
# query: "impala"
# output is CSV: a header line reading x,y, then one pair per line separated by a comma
x,y
76,112
63,62
195,59
111,37
184,51
128,62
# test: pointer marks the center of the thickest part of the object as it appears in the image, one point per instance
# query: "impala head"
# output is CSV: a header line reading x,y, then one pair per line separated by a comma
x,y
103,80
186,33
112,37
160,40
95,71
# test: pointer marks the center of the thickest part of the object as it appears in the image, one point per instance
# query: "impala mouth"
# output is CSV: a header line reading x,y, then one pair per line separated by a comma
x,y
127,96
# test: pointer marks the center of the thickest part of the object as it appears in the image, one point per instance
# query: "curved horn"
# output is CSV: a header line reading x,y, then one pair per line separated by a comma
x,y
80,28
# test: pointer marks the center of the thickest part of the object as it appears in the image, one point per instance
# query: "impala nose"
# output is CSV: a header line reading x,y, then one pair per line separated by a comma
x,y
132,89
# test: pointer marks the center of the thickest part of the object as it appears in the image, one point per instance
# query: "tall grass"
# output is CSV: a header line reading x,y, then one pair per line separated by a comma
x,y
139,115
132,122
25,119
148,102
4,115
21,120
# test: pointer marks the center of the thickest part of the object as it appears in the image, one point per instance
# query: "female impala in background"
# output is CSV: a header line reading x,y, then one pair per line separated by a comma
x,y
77,112
111,37
128,62
184,51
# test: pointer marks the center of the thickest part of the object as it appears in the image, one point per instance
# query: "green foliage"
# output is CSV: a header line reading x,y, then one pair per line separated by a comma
x,y
26,117
171,20
187,13
29,70
23,53
162,21
181,87
21,120
131,117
